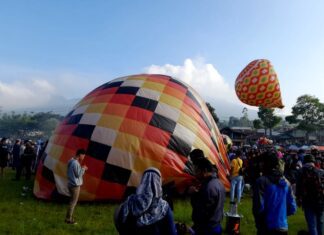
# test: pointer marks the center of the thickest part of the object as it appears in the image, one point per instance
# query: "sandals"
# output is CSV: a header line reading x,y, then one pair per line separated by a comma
x,y
70,221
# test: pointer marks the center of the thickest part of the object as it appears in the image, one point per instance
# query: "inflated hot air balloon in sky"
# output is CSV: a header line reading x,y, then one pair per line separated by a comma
x,y
126,126
258,85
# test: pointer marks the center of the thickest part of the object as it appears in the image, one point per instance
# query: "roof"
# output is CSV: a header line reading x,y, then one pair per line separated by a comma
x,y
243,130
320,148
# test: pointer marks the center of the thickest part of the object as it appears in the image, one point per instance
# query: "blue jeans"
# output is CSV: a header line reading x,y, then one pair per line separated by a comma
x,y
236,186
315,220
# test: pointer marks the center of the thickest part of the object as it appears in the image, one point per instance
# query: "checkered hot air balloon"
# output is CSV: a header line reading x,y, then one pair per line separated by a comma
x,y
127,125
258,85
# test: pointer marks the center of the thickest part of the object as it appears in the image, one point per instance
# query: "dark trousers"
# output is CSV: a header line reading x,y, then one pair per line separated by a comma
x,y
315,220
25,164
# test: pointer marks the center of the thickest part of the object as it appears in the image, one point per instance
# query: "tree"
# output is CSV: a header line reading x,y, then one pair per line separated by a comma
x,y
212,112
233,121
24,125
48,126
269,120
245,121
257,124
308,114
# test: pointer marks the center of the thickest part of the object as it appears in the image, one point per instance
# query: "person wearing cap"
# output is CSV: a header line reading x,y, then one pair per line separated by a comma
x,y
208,200
310,195
146,212
75,174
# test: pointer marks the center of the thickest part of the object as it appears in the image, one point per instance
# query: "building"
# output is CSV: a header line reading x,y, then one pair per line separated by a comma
x,y
238,134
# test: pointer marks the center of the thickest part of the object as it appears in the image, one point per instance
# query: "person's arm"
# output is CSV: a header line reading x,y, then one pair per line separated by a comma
x,y
258,199
232,166
299,187
78,170
167,226
291,202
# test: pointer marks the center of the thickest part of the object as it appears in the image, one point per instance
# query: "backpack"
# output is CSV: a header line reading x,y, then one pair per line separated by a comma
x,y
313,186
241,170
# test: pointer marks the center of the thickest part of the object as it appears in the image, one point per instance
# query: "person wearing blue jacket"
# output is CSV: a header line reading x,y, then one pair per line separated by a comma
x,y
273,199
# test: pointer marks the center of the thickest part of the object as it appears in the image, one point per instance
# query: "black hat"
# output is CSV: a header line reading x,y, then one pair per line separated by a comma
x,y
309,158
204,164
196,154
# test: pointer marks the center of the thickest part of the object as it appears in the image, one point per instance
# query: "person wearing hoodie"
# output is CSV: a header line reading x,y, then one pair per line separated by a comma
x,y
146,212
310,195
273,199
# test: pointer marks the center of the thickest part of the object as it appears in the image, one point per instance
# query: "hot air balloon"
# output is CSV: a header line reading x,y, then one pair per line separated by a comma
x,y
258,85
127,125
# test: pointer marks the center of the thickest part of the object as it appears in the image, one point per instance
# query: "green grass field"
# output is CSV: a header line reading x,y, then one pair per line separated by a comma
x,y
27,215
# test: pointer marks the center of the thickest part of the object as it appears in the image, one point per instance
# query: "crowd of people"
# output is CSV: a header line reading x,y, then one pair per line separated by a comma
x,y
279,182
21,155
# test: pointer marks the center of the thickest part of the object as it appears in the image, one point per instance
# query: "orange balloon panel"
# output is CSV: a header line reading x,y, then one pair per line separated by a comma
x,y
126,126
258,85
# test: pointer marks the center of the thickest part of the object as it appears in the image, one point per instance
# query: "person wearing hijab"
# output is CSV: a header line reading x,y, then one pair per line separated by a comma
x,y
145,212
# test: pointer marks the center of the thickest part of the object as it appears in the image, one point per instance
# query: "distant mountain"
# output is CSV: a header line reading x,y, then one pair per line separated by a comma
x,y
223,109
62,107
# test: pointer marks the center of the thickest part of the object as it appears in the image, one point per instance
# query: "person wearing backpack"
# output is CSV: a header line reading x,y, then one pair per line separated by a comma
x,y
273,200
310,195
236,177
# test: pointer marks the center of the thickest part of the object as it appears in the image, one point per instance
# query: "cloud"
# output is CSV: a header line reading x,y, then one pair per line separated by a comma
x,y
22,88
30,93
204,78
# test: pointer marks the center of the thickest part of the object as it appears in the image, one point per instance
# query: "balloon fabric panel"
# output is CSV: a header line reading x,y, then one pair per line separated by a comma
x,y
125,126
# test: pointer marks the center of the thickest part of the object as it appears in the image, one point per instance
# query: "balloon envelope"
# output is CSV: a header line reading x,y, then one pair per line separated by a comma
x,y
126,126
258,85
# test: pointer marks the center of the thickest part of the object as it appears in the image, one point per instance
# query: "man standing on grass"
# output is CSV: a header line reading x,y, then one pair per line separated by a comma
x,y
207,200
75,173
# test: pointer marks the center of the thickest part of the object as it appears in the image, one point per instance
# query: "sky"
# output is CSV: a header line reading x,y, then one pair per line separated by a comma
x,y
53,51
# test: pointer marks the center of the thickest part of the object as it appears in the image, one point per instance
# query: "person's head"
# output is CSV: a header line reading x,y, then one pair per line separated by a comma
x,y
204,168
29,144
309,159
151,182
270,161
195,155
80,154
238,153
3,140
314,152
